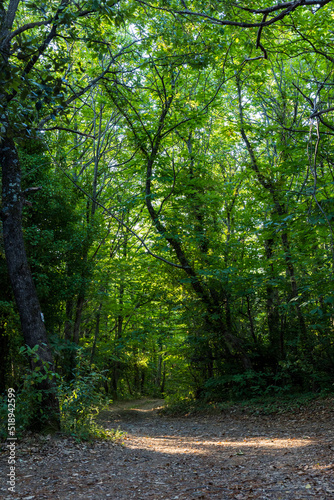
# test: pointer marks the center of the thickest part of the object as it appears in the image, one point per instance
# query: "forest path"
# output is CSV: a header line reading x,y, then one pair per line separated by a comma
x,y
227,456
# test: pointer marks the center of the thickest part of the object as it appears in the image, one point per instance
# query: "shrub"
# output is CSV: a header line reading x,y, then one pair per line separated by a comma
x,y
245,385
81,403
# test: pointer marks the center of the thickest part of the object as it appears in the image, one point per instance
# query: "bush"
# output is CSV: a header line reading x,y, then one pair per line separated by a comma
x,y
245,385
81,403
30,412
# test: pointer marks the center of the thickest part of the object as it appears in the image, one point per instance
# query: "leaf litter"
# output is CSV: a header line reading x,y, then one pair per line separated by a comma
x,y
232,455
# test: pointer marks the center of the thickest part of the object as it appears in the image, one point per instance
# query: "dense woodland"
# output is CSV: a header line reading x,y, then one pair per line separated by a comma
x,y
167,200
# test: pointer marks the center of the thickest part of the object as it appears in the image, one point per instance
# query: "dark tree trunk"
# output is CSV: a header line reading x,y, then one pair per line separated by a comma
x,y
116,369
162,389
293,282
159,367
96,333
273,316
280,209
68,322
78,315
142,381
26,299
251,321
67,361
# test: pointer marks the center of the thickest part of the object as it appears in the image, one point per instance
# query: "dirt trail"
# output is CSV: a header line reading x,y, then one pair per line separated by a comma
x,y
229,456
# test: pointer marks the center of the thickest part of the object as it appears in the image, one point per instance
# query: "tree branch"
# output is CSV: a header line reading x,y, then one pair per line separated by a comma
x,y
323,111
67,130
281,6
120,221
289,7
74,97
26,27
41,49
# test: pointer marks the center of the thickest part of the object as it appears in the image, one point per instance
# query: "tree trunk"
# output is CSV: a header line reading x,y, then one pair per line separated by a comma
x,y
251,321
97,331
78,315
157,382
279,208
116,370
26,299
273,316
68,356
293,282
162,388
68,322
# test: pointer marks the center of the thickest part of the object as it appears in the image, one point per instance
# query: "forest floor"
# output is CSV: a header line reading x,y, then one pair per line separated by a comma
x,y
233,455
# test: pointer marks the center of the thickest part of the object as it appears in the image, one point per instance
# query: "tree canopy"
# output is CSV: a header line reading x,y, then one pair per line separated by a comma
x,y
167,197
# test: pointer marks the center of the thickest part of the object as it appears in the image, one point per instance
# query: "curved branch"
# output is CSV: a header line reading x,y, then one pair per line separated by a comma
x,y
26,27
323,111
281,6
289,7
120,221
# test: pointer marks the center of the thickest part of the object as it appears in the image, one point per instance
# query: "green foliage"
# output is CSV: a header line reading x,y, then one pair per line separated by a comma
x,y
263,405
80,404
268,405
199,147
245,385
32,394
186,406
29,397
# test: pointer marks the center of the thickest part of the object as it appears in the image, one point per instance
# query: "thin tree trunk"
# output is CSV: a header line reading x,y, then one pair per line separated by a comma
x,y
68,322
97,329
159,367
78,315
208,295
118,336
162,389
251,321
273,316
293,283
128,384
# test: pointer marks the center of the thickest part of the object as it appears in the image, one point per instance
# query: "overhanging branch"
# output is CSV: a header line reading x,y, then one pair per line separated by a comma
x,y
120,221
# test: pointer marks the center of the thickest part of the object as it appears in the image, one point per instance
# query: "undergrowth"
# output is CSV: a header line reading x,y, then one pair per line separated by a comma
x,y
265,405
80,403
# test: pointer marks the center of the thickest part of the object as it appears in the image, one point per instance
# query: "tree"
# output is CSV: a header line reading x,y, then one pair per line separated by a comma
x,y
199,135
33,90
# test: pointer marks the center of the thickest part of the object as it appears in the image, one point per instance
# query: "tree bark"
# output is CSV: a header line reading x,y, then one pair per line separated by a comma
x,y
116,370
78,315
97,331
273,315
68,322
25,295
251,321
159,368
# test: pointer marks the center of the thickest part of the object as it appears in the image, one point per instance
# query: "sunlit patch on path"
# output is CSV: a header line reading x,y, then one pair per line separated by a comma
x,y
222,457
174,444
